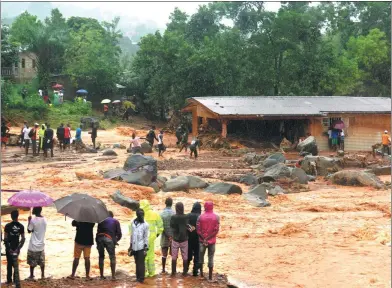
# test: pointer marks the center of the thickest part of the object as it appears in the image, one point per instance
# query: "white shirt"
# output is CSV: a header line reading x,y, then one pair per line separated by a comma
x,y
329,133
37,240
135,142
139,235
160,139
26,132
342,133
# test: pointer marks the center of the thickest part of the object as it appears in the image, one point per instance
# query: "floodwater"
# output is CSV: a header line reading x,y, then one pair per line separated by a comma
x,y
331,236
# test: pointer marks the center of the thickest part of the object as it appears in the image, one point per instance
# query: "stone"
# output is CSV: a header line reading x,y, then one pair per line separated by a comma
x,y
311,178
140,177
340,153
253,158
276,172
249,179
155,186
277,190
146,147
279,157
114,173
125,201
257,196
324,165
109,152
269,162
299,175
356,178
119,145
308,145
196,182
223,188
180,183
380,170
13,140
90,150
137,161
257,167
161,179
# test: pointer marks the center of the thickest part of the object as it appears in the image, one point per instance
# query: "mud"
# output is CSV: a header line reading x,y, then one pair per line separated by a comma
x,y
330,236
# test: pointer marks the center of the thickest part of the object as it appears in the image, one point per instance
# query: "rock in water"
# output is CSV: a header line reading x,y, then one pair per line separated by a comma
x,y
279,157
269,162
180,183
324,165
109,152
196,182
249,179
125,201
276,172
140,177
114,173
137,161
308,145
257,196
146,147
299,175
383,170
277,190
356,178
223,188
119,145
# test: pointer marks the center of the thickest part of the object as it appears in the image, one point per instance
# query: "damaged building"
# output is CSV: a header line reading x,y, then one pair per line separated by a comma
x,y
272,118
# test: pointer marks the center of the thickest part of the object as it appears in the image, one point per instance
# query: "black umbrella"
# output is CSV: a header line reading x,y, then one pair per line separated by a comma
x,y
82,208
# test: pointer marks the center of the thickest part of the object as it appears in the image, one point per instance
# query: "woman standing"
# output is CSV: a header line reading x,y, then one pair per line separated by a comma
x,y
41,134
139,244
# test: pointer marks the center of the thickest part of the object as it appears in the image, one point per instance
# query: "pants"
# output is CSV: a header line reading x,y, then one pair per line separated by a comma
x,y
27,146
211,252
34,144
184,145
385,149
193,253
161,149
40,144
13,264
93,140
183,247
330,143
48,146
21,140
194,151
342,144
61,142
103,243
150,265
140,265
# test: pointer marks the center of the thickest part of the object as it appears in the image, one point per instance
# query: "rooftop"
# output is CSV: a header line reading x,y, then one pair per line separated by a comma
x,y
292,105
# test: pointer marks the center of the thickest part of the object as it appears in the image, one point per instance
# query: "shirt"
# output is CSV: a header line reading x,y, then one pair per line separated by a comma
x,y
78,135
60,132
34,137
179,223
49,133
385,139
135,142
67,132
110,228
38,227
14,230
160,139
139,235
329,133
26,132
84,233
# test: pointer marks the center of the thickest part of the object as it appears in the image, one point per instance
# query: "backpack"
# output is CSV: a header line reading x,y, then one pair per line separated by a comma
x,y
31,133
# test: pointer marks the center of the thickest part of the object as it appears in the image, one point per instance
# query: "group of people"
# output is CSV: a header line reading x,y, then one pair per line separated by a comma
x,y
336,139
182,135
136,145
192,234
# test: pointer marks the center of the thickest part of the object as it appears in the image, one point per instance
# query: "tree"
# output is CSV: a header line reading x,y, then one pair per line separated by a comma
x,y
9,49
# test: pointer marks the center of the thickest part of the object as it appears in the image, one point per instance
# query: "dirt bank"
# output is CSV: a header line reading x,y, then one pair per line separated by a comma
x,y
329,237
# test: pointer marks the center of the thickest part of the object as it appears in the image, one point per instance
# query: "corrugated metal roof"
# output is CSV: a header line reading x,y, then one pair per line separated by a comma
x,y
293,105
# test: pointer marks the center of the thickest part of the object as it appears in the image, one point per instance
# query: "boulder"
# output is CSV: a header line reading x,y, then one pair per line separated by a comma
x,y
161,179
109,152
139,177
299,175
13,140
155,186
180,183
146,147
119,145
90,150
125,201
257,196
279,157
269,162
277,190
356,178
276,172
196,182
324,165
137,161
340,153
249,179
311,178
380,170
223,188
114,173
308,145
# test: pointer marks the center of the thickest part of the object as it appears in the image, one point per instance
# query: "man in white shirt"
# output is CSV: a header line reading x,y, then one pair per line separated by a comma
x,y
26,137
36,250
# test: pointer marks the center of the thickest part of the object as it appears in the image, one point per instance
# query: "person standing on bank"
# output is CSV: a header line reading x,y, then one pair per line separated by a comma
x,y
84,239
94,133
193,238
48,141
179,224
33,133
108,235
167,233
60,136
12,232
41,134
385,141
207,228
139,244
161,146
26,138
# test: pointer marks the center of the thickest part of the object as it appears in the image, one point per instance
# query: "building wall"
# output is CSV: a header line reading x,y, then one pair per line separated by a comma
x,y
362,131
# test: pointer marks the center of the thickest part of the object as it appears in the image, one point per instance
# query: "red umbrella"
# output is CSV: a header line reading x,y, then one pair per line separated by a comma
x,y
57,86
339,124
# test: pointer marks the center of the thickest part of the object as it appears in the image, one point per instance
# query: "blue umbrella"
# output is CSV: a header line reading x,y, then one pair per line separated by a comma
x,y
82,91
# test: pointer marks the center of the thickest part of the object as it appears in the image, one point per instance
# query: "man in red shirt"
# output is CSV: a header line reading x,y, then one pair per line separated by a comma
x,y
67,136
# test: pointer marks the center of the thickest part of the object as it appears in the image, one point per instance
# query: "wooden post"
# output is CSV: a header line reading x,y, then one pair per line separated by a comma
x,y
195,128
224,128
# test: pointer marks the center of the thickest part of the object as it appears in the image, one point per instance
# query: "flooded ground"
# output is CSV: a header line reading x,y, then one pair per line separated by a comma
x,y
329,237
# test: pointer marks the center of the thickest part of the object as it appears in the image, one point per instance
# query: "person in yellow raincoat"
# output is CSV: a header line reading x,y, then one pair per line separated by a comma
x,y
41,134
155,223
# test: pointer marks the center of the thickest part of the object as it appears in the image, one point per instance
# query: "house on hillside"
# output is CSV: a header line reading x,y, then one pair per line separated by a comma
x,y
271,117
24,71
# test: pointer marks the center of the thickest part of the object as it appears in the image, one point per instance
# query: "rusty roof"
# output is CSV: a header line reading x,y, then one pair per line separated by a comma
x,y
293,105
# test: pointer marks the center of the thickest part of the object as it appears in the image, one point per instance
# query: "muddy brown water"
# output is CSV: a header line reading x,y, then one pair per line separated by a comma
x,y
331,232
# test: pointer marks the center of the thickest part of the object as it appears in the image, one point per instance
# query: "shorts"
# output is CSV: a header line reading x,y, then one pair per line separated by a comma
x,y
48,145
4,139
78,249
103,243
183,247
61,139
67,141
334,141
35,259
